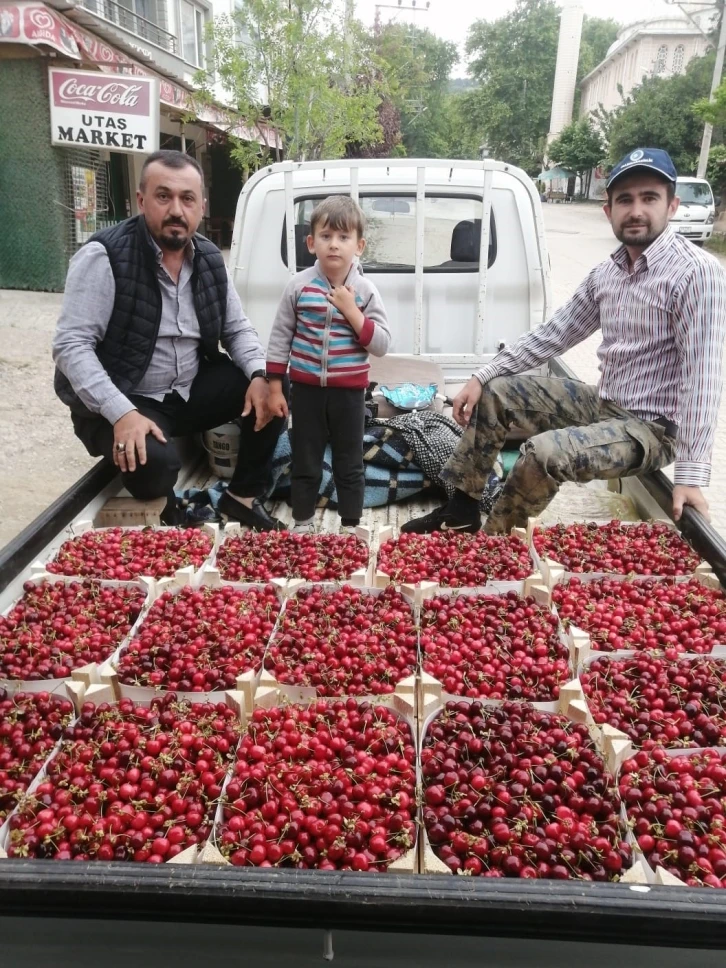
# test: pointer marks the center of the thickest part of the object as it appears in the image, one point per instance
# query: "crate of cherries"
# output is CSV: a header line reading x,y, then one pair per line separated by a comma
x,y
649,548
129,782
515,791
250,556
339,641
199,640
493,647
59,626
127,554
327,786
668,616
454,560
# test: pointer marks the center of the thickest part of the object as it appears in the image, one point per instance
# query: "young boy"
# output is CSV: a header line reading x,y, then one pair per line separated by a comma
x,y
329,319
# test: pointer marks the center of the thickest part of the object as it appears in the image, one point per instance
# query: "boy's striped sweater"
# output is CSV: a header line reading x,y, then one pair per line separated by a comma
x,y
316,339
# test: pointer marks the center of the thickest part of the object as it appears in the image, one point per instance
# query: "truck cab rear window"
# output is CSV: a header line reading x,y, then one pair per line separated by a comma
x,y
452,233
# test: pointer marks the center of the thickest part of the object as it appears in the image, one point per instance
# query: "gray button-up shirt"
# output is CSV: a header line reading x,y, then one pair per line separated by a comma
x,y
87,307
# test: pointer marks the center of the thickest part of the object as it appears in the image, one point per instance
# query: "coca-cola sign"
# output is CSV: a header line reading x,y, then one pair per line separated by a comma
x,y
117,112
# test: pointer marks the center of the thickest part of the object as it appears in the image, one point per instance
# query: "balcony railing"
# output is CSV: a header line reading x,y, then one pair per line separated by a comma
x,y
120,15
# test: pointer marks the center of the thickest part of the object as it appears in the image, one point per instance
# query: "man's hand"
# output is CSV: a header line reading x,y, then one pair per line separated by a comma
x,y
692,496
131,431
343,298
257,399
466,400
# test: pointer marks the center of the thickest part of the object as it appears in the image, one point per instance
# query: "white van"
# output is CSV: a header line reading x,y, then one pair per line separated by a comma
x,y
697,211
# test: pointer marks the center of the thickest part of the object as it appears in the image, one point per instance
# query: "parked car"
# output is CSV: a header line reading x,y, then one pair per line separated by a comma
x,y
697,211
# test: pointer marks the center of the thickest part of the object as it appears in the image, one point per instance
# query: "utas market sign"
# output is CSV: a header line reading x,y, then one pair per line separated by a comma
x,y
119,112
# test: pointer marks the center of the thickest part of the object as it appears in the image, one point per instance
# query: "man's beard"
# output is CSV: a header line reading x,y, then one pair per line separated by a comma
x,y
644,237
171,240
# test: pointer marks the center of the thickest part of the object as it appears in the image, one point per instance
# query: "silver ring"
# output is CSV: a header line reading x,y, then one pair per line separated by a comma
x,y
120,448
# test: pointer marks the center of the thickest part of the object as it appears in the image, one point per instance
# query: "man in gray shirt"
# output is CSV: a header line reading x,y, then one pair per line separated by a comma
x,y
147,303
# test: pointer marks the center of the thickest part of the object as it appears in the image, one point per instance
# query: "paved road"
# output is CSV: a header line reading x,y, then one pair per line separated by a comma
x,y
41,457
579,237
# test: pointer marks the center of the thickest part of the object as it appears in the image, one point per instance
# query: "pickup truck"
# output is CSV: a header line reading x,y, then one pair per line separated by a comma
x,y
458,251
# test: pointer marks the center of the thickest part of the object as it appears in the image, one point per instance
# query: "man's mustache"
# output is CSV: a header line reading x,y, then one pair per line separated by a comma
x,y
632,225
175,221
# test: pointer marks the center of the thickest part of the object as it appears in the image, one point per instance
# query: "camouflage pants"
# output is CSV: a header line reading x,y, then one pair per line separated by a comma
x,y
573,436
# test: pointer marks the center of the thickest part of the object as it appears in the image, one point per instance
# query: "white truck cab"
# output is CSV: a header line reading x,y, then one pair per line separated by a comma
x,y
427,222
697,211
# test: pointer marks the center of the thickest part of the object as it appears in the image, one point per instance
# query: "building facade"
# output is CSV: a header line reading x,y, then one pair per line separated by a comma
x,y
658,47
55,194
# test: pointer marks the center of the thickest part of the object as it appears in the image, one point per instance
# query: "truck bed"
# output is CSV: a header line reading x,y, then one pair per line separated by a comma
x,y
378,920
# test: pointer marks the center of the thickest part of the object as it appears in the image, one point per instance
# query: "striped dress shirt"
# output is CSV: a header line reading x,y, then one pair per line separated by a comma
x,y
663,322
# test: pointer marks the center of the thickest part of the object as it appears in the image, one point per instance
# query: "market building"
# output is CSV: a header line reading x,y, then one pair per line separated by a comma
x,y
88,90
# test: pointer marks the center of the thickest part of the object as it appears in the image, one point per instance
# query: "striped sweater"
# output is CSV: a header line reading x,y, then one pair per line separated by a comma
x,y
317,341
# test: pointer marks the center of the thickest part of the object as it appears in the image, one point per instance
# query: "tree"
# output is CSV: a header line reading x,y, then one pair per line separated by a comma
x,y
513,62
290,66
580,148
417,69
660,113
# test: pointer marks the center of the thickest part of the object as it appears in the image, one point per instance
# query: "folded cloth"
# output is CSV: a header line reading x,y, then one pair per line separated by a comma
x,y
390,471
432,438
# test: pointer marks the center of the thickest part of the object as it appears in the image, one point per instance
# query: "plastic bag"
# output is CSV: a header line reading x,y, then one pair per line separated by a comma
x,y
410,396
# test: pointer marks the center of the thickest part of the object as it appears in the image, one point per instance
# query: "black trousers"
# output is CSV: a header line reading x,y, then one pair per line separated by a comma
x,y
217,396
319,415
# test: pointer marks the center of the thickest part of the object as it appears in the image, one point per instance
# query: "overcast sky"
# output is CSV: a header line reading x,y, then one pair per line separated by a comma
x,y
450,19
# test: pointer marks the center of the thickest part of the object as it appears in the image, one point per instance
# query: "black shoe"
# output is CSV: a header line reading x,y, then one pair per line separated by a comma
x,y
174,515
440,519
257,517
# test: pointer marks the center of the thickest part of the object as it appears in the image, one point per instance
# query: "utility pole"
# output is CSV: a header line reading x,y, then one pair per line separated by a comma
x,y
717,71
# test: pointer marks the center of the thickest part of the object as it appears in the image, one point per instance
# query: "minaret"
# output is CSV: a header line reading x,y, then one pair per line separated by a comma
x,y
568,54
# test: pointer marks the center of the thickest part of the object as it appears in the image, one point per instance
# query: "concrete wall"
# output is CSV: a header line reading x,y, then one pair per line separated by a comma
x,y
32,252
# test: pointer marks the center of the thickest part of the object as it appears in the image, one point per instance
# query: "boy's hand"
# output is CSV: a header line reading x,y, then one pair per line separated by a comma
x,y
276,402
343,298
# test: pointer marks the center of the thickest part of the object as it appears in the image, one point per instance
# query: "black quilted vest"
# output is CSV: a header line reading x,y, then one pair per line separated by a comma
x,y
128,345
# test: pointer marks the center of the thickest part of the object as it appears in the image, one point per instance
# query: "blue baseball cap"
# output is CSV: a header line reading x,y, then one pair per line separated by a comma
x,y
644,159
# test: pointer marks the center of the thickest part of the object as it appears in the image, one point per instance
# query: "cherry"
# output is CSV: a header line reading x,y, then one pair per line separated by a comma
x,y
344,642
453,560
200,639
329,786
646,548
253,556
543,804
127,553
57,627
493,646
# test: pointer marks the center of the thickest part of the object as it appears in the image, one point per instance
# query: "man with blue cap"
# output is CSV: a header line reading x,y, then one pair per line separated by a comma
x,y
660,304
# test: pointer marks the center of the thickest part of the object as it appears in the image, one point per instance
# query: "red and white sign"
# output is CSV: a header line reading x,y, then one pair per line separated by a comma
x,y
117,112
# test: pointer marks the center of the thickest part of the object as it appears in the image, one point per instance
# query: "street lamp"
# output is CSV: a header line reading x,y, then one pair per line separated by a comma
x,y
484,151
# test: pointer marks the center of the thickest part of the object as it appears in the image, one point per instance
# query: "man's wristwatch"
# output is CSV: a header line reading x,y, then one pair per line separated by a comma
x,y
261,374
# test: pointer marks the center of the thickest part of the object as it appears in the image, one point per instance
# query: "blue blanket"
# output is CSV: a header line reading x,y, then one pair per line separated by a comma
x,y
390,475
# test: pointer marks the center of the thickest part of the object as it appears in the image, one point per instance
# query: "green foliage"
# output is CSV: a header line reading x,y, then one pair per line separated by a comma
x,y
597,36
513,62
291,66
580,148
660,113
716,171
417,68
712,111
